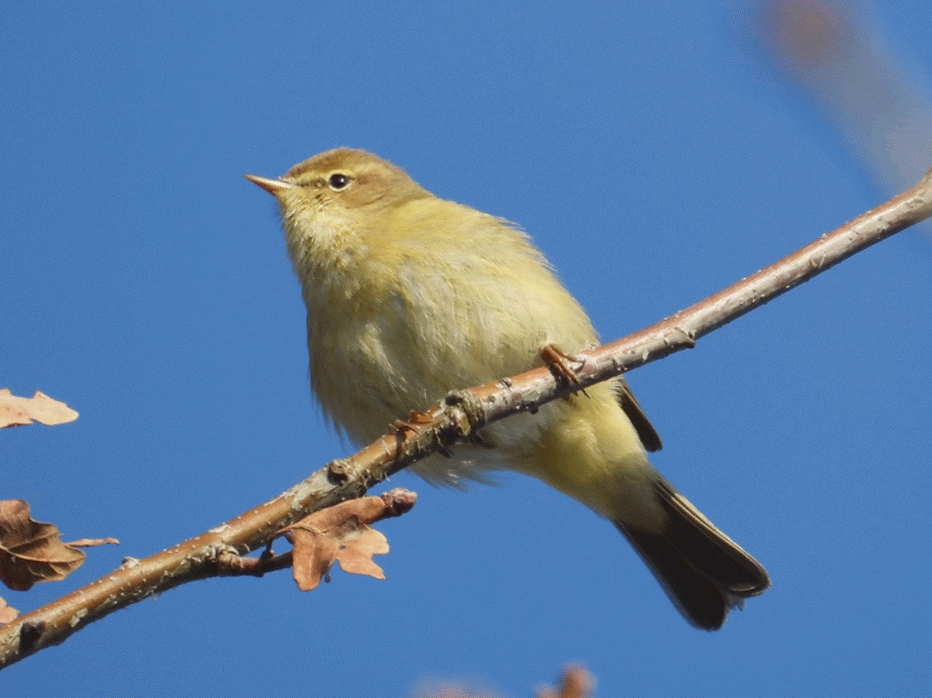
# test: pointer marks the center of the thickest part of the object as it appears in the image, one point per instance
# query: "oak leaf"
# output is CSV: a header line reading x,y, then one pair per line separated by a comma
x,y
341,533
19,411
32,551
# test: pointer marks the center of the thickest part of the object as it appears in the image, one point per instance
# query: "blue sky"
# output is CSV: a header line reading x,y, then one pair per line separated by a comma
x,y
653,155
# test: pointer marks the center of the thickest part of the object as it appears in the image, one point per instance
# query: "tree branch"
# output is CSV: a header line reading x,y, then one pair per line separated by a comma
x,y
458,416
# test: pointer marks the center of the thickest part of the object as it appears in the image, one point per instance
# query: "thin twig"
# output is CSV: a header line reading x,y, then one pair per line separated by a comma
x,y
457,417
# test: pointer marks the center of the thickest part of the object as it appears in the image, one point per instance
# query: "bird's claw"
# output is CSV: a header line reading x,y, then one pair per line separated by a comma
x,y
415,419
561,364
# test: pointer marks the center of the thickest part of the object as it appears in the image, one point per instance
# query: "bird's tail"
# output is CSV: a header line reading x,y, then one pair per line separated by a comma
x,y
702,570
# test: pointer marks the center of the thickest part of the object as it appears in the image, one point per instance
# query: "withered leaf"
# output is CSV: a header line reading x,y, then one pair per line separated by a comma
x,y
313,554
7,612
355,556
32,551
341,533
19,411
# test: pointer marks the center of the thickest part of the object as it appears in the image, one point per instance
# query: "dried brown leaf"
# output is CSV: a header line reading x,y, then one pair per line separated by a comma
x,y
341,533
7,612
32,551
355,554
313,555
19,411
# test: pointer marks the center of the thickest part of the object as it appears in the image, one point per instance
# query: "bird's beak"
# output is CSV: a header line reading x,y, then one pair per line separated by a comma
x,y
272,186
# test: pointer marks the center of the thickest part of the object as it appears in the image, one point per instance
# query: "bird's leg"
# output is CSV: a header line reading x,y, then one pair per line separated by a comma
x,y
561,364
416,418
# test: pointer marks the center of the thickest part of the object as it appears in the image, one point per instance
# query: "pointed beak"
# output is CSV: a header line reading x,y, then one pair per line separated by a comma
x,y
272,186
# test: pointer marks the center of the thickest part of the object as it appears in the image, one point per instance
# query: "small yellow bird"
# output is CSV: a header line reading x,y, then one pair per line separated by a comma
x,y
410,296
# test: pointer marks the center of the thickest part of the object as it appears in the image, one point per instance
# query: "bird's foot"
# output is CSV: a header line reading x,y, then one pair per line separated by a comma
x,y
416,419
561,364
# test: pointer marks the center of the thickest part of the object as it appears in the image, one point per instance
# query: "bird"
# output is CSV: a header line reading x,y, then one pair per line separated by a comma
x,y
410,296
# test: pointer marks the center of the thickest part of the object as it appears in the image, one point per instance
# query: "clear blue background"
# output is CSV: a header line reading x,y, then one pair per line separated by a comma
x,y
655,158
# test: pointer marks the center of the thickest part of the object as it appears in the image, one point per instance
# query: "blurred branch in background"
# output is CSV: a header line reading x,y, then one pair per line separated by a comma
x,y
829,50
575,682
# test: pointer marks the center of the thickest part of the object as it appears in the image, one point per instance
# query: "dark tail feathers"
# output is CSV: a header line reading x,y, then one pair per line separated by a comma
x,y
702,570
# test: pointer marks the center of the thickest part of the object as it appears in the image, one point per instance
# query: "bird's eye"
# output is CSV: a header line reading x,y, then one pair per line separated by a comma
x,y
338,181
